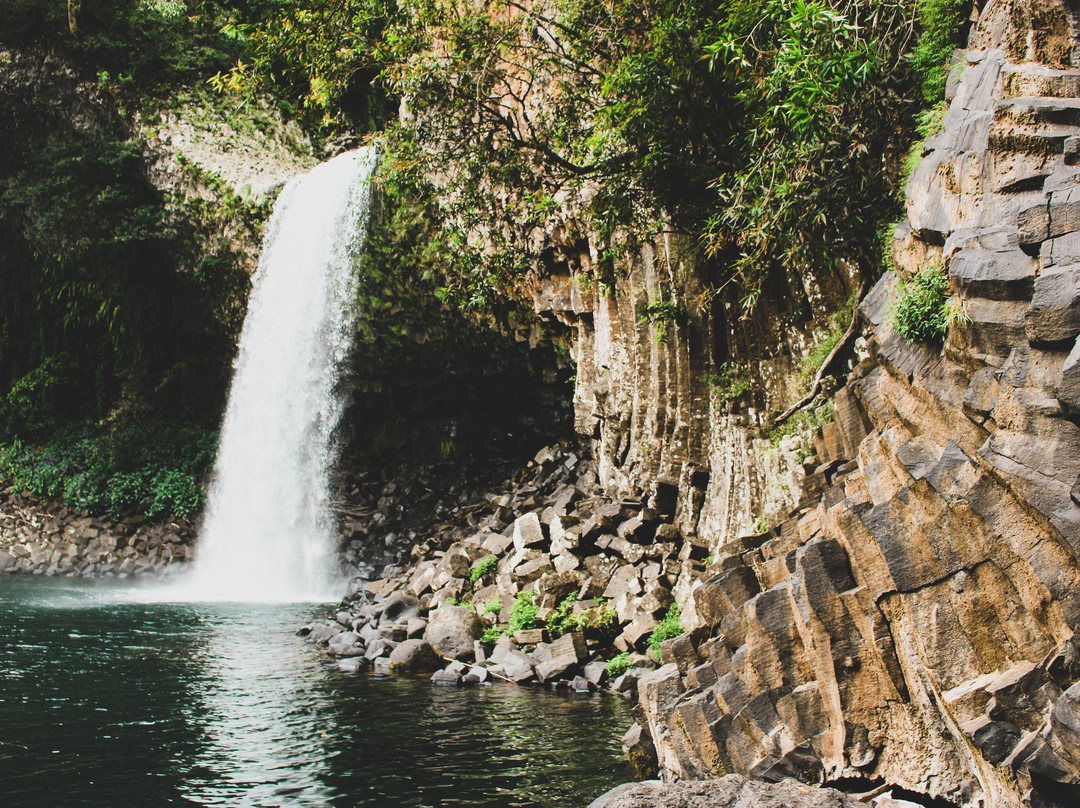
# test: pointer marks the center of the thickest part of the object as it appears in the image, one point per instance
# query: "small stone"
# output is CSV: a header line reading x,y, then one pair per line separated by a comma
x,y
446,677
476,675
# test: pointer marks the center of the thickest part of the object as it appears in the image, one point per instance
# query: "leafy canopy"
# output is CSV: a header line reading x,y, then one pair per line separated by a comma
x,y
761,126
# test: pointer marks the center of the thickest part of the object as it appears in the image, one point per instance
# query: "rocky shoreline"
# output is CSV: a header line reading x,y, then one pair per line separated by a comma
x,y
39,537
549,583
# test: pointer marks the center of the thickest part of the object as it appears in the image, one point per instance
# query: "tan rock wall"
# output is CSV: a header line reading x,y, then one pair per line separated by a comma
x,y
914,619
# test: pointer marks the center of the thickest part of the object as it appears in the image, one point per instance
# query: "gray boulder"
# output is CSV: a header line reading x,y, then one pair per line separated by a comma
x,y
399,608
345,644
727,792
414,656
451,631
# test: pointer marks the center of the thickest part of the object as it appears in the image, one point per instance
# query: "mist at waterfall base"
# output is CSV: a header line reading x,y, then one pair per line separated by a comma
x,y
266,533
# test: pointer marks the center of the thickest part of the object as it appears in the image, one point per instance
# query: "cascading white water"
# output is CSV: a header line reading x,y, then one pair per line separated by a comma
x,y
267,529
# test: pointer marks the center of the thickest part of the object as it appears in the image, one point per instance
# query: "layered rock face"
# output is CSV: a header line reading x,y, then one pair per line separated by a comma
x,y
913,619
646,388
45,538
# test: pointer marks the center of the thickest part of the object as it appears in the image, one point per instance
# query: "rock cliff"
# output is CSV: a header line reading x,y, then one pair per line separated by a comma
x,y
912,619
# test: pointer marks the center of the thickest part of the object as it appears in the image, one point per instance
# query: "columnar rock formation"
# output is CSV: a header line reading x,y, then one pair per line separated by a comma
x,y
913,619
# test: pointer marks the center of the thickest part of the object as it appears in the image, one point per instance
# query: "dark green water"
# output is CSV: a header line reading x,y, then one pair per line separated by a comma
x,y
107,701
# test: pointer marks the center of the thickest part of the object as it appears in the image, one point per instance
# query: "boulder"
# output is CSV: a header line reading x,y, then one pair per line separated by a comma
x,y
726,792
414,656
527,531
400,607
345,644
446,677
352,664
451,631
564,654
321,633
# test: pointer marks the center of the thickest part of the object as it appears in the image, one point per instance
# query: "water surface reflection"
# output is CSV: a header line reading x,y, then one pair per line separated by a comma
x,y
105,701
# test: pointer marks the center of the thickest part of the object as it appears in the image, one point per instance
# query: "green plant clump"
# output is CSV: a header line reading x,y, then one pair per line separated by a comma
x,y
564,619
729,381
523,612
482,568
942,23
920,311
666,629
493,606
619,664
808,420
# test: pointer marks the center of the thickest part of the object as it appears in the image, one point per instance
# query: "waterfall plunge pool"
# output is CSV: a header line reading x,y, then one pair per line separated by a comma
x,y
108,701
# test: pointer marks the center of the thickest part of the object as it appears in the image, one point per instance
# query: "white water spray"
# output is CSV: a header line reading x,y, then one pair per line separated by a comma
x,y
267,531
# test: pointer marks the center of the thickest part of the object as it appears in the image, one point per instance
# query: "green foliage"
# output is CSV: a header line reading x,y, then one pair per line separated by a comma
x,y
661,314
523,612
814,81
482,568
730,381
145,465
919,311
491,635
601,617
114,292
138,48
666,629
941,24
619,664
931,121
809,420
763,124
817,355
493,606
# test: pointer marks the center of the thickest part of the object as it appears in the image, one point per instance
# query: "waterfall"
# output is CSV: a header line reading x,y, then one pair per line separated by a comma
x,y
267,532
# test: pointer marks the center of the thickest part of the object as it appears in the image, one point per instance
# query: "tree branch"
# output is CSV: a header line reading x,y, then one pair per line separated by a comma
x,y
816,386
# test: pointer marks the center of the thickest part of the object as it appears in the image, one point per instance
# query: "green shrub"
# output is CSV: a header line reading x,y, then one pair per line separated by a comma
x,y
523,612
942,24
493,607
564,619
146,465
482,568
730,381
491,635
619,664
666,629
174,491
811,420
36,401
919,311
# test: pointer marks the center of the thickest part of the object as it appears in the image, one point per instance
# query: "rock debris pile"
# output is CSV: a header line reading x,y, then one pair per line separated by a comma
x,y
553,584
45,538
